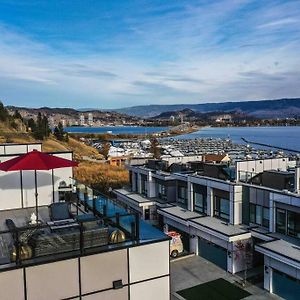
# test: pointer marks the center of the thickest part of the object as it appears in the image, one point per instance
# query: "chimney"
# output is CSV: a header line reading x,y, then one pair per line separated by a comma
x,y
297,179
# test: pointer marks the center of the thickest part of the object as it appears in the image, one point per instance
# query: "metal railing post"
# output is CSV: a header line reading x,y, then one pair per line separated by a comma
x,y
17,246
81,239
137,227
94,205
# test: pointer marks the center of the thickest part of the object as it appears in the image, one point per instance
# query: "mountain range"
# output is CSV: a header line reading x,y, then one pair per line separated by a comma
x,y
279,108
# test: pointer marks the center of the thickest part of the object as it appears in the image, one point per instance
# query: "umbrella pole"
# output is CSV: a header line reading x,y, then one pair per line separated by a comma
x,y
36,197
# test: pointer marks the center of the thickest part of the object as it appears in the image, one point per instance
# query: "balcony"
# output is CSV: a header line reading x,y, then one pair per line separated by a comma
x,y
84,222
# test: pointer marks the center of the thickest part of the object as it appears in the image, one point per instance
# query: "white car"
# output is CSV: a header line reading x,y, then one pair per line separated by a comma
x,y
176,246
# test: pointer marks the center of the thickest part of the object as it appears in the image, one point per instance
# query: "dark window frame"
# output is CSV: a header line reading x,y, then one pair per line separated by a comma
x,y
217,209
202,209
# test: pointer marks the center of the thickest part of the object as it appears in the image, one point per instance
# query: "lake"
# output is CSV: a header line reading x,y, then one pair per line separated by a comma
x,y
281,136
116,129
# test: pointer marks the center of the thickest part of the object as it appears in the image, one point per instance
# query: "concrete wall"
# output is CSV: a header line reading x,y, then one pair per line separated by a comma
x,y
260,165
19,148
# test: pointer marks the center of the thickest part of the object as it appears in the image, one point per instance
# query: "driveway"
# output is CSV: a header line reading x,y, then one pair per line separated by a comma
x,y
191,271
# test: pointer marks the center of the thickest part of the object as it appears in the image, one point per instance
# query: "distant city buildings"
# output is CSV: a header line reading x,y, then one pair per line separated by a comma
x,y
82,120
90,119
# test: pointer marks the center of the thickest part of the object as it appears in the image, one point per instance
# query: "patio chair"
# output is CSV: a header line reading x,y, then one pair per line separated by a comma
x,y
59,211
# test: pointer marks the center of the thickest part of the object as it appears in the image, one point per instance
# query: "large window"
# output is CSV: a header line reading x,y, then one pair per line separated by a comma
x,y
161,191
281,220
200,203
293,227
182,195
266,217
259,215
144,186
222,208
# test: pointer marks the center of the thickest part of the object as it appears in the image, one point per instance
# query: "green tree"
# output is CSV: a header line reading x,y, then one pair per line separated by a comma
x,y
17,115
3,113
60,134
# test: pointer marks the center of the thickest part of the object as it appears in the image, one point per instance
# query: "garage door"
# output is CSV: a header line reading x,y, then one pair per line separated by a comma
x,y
213,253
285,286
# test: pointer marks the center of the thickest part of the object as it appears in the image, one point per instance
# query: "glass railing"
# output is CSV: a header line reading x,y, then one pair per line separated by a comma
x,y
96,222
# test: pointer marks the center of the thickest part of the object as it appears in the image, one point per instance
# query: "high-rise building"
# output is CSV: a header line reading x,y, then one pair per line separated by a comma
x,y
90,119
82,120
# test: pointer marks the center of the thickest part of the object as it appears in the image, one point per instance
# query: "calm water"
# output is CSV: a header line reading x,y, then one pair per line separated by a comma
x,y
116,129
287,137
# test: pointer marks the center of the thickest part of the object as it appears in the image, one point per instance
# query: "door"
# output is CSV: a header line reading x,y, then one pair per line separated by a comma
x,y
285,286
213,253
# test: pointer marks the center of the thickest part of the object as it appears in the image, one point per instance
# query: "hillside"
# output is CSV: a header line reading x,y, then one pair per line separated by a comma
x,y
280,108
71,114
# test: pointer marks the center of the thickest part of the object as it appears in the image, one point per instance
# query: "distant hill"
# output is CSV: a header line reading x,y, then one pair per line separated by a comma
x,y
191,115
281,108
67,113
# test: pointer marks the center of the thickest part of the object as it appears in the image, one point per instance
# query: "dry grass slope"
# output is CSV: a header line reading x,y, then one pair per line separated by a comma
x,y
96,173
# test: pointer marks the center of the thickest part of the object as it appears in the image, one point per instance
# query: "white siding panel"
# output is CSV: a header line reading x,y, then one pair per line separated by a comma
x,y
99,271
10,190
121,294
157,289
53,281
149,261
11,283
28,189
45,190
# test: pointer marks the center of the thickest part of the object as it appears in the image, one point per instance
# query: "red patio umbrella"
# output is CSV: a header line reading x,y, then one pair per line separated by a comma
x,y
34,161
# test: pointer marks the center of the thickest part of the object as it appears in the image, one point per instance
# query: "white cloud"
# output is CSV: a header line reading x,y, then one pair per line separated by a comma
x,y
215,52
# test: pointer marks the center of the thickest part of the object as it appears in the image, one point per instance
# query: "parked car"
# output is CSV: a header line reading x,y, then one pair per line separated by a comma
x,y
176,246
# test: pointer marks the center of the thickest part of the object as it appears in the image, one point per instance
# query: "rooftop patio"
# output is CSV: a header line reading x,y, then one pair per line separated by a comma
x,y
84,222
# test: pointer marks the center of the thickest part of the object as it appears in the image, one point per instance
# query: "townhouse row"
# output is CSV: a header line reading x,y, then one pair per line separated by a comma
x,y
240,216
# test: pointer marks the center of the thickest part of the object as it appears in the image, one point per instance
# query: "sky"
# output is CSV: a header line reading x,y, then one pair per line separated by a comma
x,y
118,53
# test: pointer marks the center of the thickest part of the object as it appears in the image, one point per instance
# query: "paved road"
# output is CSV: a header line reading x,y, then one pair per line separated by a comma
x,y
188,272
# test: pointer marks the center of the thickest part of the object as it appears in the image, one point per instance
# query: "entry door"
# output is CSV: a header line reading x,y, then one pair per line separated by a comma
x,y
213,253
285,286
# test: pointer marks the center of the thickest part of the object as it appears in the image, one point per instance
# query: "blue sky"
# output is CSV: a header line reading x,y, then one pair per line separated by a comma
x,y
117,53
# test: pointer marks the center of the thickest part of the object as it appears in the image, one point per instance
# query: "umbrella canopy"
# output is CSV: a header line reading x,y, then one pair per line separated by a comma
x,y
36,160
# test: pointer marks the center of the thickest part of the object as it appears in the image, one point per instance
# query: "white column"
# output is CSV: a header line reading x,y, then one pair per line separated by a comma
x,y
297,179
268,275
139,183
194,244
134,187
189,195
272,214
210,202
231,207
151,186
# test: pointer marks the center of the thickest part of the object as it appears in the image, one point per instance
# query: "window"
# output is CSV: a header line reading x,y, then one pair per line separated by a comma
x,y
200,203
182,195
266,217
222,208
258,214
144,187
162,191
293,226
252,213
280,220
